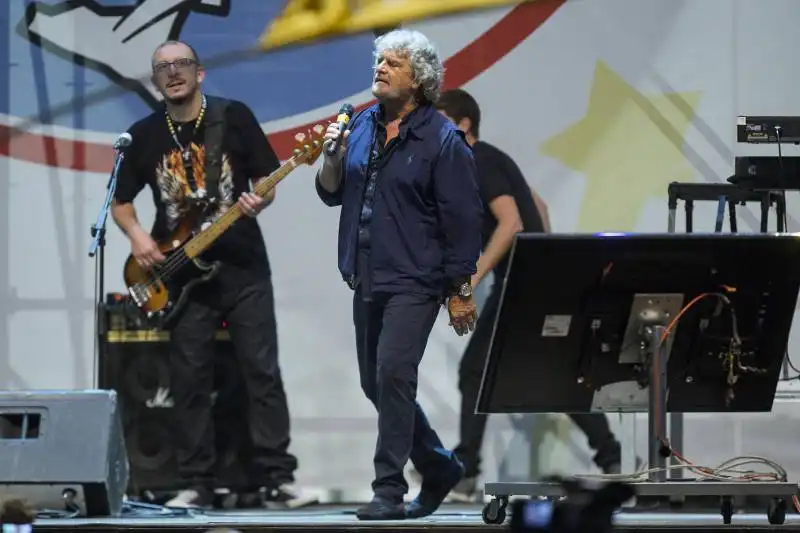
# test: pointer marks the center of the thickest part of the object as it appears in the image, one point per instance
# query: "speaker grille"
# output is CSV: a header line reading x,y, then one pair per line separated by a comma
x,y
136,365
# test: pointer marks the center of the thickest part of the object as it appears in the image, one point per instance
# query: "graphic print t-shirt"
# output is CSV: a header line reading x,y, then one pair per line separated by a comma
x,y
154,159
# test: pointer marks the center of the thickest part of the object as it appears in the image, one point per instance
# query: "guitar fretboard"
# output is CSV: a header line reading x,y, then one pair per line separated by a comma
x,y
200,242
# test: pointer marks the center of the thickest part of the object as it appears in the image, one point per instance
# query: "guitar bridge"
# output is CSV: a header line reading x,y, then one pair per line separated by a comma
x,y
139,294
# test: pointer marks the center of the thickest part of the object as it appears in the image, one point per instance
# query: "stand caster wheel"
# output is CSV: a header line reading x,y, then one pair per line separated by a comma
x,y
726,509
494,512
776,513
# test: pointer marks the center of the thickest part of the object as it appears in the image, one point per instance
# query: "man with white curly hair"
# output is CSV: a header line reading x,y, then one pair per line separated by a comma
x,y
409,240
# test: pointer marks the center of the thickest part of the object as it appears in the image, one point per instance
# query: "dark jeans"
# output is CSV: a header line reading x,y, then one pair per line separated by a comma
x,y
391,334
473,426
246,302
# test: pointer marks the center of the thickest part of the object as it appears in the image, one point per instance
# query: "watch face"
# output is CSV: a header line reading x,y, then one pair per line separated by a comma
x,y
465,291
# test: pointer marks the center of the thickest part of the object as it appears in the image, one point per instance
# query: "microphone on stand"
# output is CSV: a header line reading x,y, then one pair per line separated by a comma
x,y
345,114
123,141
99,229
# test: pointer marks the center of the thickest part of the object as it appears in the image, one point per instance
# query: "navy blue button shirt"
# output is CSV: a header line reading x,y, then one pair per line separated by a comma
x,y
426,214
377,151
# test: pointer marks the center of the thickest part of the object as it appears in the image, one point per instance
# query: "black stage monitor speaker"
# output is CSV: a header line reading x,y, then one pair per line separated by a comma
x,y
574,329
136,365
63,451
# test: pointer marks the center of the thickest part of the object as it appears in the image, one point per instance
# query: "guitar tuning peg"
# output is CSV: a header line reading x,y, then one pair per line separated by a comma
x,y
297,151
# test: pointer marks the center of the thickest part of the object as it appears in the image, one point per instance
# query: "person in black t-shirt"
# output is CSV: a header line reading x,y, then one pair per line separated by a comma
x,y
241,293
510,206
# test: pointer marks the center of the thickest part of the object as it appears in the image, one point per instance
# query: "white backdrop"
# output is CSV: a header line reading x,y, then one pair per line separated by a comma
x,y
602,107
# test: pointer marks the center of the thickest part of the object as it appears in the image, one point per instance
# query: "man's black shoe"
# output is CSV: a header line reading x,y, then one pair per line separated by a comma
x,y
381,509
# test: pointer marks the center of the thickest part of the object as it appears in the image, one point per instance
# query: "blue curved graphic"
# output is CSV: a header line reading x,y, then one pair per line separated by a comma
x,y
60,51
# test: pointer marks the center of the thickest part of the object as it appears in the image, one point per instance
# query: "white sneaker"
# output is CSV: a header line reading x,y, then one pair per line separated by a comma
x,y
287,497
185,499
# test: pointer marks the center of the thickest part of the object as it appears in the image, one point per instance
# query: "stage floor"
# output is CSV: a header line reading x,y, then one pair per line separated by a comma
x,y
450,518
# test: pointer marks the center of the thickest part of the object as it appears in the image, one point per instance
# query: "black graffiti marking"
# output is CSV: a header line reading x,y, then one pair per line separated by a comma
x,y
135,85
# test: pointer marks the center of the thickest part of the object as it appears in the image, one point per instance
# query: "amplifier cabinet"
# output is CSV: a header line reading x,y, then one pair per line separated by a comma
x,y
137,366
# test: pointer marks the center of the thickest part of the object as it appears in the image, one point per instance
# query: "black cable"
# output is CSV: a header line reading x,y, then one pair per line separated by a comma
x,y
794,368
150,510
130,509
53,514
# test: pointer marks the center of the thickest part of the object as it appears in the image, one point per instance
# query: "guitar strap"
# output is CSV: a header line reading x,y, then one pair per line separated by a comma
x,y
215,129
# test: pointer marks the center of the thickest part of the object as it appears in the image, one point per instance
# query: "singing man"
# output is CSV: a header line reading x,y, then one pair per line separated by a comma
x,y
409,240
168,154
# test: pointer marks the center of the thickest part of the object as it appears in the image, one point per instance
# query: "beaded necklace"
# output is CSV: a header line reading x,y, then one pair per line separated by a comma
x,y
186,150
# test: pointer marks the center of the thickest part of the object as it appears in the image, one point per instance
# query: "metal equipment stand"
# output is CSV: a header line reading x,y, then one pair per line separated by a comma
x,y
97,250
572,326
732,195
722,193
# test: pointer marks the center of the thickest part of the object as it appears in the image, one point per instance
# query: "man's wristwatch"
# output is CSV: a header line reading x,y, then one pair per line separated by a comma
x,y
462,288
465,290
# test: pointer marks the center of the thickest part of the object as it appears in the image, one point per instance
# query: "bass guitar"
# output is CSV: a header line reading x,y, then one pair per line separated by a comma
x,y
161,291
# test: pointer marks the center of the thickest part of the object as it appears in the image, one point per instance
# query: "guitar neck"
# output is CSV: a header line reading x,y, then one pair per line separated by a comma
x,y
200,242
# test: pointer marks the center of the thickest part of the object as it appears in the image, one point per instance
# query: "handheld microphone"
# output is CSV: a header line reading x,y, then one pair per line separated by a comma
x,y
345,114
123,141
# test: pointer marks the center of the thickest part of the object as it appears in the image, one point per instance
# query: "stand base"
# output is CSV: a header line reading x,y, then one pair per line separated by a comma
x,y
781,493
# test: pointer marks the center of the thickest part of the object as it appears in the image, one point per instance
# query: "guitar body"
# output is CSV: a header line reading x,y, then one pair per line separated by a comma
x,y
162,291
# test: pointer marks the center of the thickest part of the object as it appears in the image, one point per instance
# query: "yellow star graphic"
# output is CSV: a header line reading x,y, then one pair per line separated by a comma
x,y
628,146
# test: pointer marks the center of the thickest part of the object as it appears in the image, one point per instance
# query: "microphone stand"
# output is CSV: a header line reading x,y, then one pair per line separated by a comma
x,y
97,250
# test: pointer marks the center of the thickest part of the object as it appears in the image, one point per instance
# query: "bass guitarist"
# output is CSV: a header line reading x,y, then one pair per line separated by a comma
x,y
187,168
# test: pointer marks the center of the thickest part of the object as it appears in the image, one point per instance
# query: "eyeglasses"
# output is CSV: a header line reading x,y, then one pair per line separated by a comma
x,y
179,64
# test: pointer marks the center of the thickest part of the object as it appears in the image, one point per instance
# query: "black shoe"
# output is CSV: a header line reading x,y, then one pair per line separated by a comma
x,y
434,491
249,500
609,457
381,509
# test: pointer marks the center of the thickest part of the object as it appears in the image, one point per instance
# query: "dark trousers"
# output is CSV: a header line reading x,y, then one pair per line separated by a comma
x,y
473,426
246,302
391,334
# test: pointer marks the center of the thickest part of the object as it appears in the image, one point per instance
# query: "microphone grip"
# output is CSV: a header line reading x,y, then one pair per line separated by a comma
x,y
333,146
